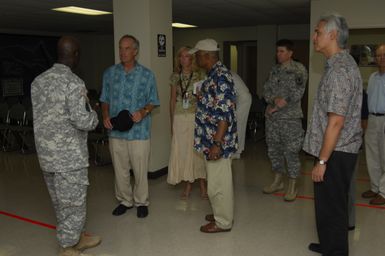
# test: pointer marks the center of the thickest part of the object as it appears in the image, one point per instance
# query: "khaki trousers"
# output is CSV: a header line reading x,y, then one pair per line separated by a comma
x,y
126,155
375,153
220,191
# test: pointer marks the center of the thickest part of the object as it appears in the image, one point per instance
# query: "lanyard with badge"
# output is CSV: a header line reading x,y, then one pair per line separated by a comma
x,y
185,94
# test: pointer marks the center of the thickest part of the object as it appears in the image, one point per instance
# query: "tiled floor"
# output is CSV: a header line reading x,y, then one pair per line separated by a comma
x,y
264,225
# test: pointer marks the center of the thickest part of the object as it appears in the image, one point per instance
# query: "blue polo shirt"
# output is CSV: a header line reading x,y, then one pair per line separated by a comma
x,y
376,93
132,91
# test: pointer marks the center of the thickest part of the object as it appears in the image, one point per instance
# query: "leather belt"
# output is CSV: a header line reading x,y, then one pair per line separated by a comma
x,y
377,114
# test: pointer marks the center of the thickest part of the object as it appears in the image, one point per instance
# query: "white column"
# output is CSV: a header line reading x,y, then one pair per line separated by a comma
x,y
145,19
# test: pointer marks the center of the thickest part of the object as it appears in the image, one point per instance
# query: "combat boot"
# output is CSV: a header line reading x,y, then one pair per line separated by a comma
x,y
277,185
71,251
87,241
291,193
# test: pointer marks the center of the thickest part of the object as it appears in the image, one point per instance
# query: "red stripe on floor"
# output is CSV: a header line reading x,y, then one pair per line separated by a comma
x,y
358,204
28,220
357,179
300,197
371,206
276,194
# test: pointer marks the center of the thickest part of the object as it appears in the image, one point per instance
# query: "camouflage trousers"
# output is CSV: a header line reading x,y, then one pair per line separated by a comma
x,y
68,191
284,140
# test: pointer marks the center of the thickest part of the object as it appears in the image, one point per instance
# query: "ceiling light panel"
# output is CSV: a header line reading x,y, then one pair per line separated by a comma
x,y
80,10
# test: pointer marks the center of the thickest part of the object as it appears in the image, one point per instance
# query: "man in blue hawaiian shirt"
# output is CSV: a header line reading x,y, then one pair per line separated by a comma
x,y
216,134
129,86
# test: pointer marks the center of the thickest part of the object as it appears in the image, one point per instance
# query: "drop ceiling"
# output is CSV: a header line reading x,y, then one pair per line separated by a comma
x,y
36,15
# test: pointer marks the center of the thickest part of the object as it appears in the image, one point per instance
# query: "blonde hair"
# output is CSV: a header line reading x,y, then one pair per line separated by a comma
x,y
178,66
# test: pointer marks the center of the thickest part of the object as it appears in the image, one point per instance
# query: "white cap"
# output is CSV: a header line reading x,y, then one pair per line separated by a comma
x,y
209,45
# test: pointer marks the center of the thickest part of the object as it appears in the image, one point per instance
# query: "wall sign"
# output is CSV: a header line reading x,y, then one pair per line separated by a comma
x,y
161,45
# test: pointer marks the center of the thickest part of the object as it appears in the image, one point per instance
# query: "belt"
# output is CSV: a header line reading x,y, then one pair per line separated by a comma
x,y
377,114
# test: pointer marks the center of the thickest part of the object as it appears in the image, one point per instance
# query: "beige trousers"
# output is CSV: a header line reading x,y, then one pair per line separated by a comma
x,y
126,155
375,153
220,191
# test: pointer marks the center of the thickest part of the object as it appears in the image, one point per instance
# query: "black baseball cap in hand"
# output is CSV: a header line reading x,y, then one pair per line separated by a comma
x,y
122,122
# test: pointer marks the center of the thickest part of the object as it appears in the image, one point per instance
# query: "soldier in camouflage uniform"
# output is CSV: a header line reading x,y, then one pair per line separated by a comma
x,y
283,92
61,118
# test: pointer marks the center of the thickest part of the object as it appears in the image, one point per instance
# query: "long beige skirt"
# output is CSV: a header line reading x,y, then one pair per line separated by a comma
x,y
185,163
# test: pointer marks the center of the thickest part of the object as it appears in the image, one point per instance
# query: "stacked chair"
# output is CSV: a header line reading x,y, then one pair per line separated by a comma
x,y
256,119
15,129
3,123
98,140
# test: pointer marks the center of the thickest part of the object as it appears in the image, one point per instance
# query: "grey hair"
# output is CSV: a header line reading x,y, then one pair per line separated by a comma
x,y
136,41
336,22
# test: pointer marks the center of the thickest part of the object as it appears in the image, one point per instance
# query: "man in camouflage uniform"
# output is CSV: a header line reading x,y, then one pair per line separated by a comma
x,y
61,118
283,92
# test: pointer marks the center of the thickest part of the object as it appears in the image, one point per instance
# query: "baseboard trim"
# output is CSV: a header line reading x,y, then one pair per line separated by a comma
x,y
157,174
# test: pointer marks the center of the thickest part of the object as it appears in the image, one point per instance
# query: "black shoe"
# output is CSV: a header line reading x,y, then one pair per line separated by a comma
x,y
351,228
121,209
315,247
142,211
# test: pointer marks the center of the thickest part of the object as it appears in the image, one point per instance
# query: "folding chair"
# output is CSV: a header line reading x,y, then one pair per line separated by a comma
x,y
3,124
16,117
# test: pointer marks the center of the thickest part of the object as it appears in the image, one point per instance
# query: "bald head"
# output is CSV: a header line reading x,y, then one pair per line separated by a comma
x,y
380,58
68,51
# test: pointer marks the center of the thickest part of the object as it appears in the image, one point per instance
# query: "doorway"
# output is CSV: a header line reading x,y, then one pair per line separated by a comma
x,y
241,57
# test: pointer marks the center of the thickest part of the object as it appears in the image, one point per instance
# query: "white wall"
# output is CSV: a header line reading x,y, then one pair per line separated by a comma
x,y
145,20
189,37
293,32
266,37
367,36
161,19
97,51
359,14
96,54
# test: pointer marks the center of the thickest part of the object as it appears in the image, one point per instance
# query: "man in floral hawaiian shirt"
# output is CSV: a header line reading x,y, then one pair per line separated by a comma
x,y
334,135
216,134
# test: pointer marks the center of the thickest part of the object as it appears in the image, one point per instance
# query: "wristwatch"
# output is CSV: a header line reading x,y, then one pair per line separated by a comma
x,y
321,162
146,110
217,143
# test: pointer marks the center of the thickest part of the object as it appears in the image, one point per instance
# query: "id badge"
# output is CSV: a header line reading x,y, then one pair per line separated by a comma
x,y
197,87
186,101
